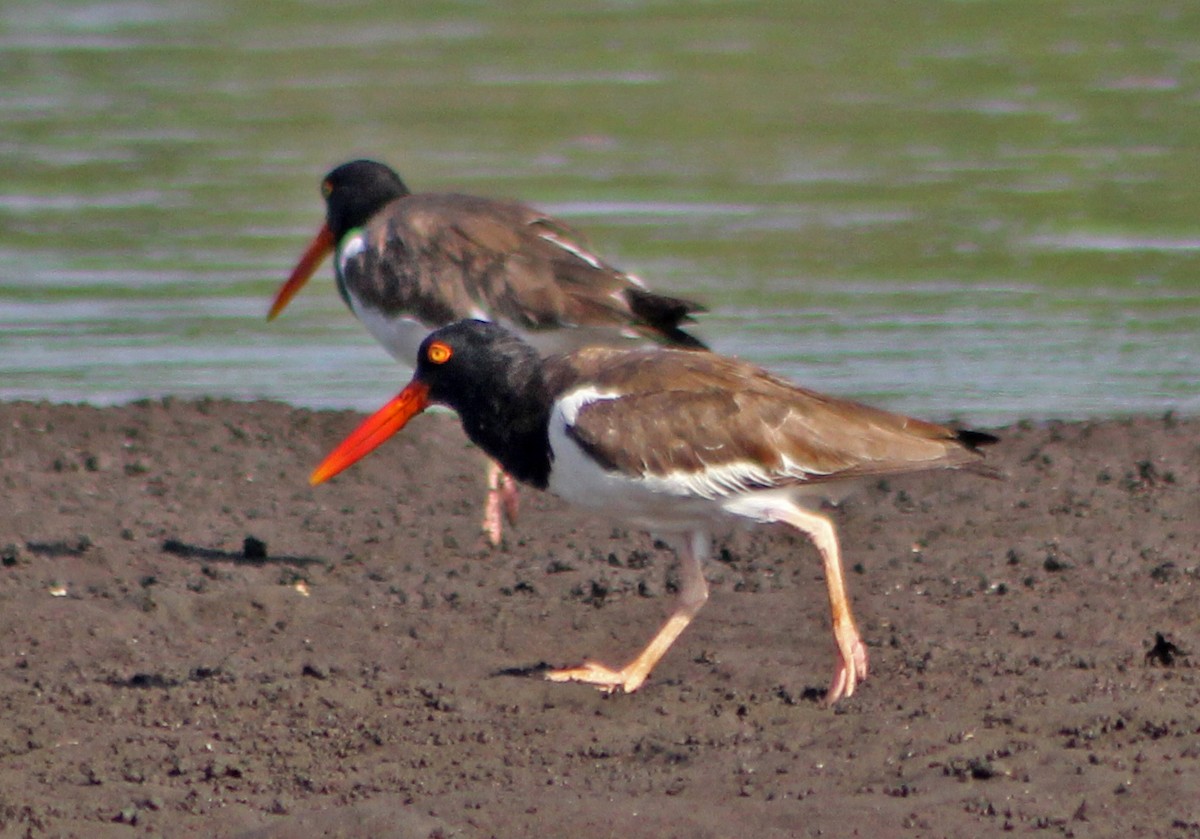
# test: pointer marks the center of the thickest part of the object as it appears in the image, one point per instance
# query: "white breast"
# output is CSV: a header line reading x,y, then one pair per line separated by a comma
x,y
400,336
652,503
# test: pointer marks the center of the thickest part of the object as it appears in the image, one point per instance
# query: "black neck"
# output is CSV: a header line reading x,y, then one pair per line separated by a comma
x,y
509,418
524,452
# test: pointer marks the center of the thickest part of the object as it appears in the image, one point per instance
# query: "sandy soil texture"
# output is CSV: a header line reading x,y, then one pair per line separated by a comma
x,y
195,642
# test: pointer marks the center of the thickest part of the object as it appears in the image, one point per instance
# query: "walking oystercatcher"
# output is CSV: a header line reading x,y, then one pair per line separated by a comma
x,y
408,263
672,442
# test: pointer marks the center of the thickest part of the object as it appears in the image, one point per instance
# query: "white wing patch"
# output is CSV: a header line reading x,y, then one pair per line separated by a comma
x,y
715,482
572,403
573,249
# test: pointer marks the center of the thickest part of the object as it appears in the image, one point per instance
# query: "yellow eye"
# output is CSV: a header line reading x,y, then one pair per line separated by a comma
x,y
438,352
326,189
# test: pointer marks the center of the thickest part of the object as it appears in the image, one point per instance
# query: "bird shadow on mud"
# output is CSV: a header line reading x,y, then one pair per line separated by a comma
x,y
253,552
809,694
529,671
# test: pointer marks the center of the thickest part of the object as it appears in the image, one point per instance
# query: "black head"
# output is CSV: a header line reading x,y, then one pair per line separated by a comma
x,y
472,361
357,190
495,382
491,378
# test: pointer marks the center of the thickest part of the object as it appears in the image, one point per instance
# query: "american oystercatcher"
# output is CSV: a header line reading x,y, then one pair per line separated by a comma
x,y
408,263
672,442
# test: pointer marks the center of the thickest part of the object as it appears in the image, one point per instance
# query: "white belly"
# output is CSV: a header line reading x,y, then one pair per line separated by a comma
x,y
576,478
400,336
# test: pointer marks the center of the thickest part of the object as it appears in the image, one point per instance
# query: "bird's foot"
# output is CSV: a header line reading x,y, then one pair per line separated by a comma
x,y
605,679
851,669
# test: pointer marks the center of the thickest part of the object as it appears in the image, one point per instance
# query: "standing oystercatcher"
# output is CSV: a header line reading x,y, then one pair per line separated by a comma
x,y
407,264
673,442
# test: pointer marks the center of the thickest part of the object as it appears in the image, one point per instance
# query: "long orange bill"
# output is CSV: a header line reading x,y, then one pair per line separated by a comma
x,y
374,430
319,248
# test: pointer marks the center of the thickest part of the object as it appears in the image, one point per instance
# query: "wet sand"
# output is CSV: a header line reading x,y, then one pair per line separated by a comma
x,y
196,642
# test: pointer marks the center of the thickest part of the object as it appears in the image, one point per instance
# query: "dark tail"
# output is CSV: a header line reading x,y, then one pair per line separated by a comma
x,y
664,314
972,440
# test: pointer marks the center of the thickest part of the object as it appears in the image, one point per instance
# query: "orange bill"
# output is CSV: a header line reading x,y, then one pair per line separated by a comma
x,y
375,429
319,248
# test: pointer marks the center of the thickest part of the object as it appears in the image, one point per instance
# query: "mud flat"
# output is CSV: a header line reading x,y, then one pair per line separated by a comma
x,y
196,642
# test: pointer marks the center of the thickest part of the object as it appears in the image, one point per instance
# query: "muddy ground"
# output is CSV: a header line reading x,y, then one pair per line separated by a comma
x,y
195,642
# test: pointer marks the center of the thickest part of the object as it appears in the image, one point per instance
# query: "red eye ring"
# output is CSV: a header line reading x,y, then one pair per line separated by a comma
x,y
439,352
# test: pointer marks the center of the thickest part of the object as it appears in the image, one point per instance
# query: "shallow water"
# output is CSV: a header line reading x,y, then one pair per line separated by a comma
x,y
982,211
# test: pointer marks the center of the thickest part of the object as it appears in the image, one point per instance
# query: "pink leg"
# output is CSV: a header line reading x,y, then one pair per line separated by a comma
x,y
693,594
493,529
510,497
502,500
852,654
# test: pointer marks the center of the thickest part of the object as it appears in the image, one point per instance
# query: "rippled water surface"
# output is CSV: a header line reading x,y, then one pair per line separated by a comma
x,y
985,211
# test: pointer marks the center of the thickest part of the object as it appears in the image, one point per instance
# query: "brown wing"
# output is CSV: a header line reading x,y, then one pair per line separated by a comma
x,y
459,256
688,413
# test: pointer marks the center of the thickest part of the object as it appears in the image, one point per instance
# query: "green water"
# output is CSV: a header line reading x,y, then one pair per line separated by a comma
x,y
986,210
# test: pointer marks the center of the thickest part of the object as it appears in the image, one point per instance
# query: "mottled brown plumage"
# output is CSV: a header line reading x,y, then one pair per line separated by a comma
x,y
433,258
440,257
681,412
443,257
